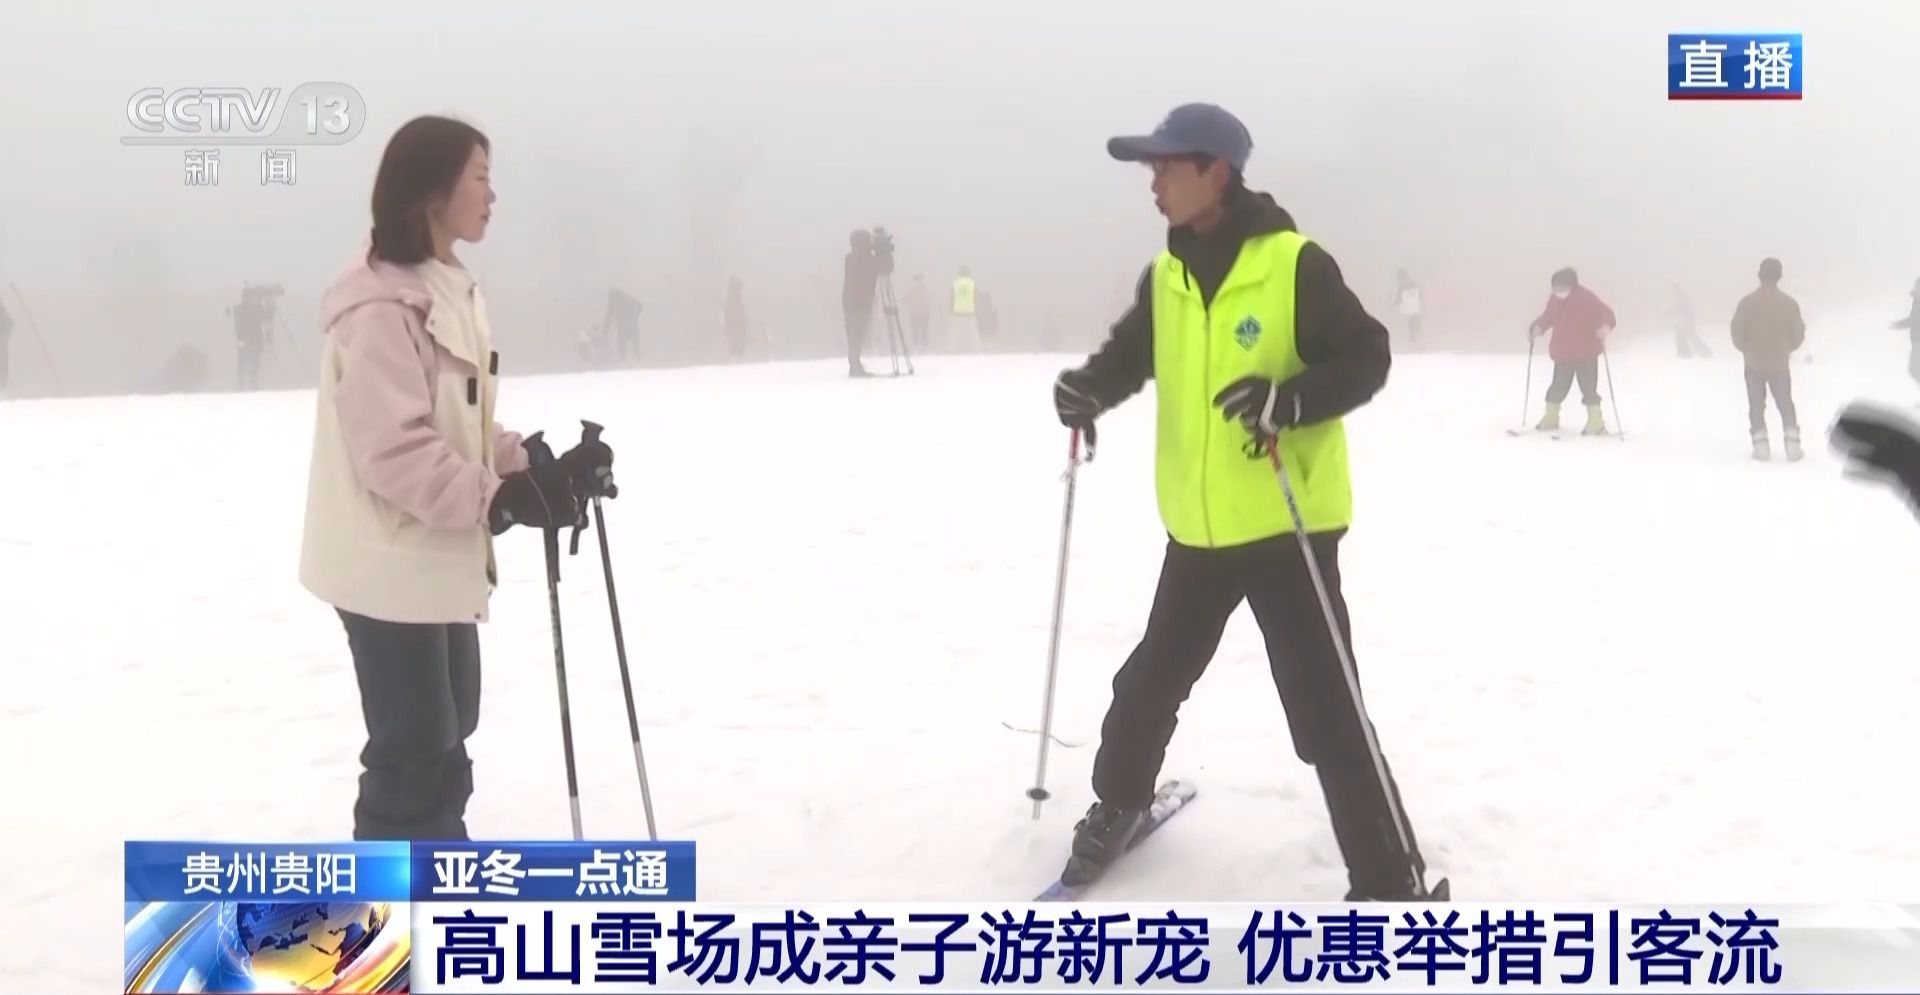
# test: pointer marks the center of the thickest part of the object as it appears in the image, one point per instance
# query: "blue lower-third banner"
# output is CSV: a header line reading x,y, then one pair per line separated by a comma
x,y
634,947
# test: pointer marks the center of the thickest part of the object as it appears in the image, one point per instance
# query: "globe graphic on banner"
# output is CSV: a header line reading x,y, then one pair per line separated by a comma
x,y
297,946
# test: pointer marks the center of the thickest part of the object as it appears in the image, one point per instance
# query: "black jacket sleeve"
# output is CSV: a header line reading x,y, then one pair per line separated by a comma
x,y
1125,363
1345,349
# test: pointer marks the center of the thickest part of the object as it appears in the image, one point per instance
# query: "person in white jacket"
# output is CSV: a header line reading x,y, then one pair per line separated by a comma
x,y
411,478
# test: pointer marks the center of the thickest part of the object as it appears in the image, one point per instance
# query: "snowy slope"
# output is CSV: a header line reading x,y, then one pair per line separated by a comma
x,y
1602,669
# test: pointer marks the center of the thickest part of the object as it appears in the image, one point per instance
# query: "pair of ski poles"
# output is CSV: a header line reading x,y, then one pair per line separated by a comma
x,y
1039,793
539,452
1526,394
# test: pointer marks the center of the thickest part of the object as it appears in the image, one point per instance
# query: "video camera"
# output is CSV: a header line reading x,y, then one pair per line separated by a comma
x,y
258,298
882,243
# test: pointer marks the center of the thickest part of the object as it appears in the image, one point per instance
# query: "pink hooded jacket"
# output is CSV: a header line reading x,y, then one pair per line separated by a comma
x,y
406,456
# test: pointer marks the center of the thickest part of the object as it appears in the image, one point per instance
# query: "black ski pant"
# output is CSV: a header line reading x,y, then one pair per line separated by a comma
x,y
1587,371
859,320
420,694
1780,382
1199,590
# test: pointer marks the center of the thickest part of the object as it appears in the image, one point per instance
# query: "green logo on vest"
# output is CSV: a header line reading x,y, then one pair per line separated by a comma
x,y
1247,333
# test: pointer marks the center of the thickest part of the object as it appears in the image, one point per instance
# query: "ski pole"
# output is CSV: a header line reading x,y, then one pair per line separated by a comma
x,y
1400,828
1039,792
539,452
1607,364
591,433
38,338
1526,394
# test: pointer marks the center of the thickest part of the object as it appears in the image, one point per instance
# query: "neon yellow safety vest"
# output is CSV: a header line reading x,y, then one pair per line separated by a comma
x,y
1212,494
963,295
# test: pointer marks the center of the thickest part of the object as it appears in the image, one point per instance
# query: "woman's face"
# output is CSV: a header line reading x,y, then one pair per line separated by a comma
x,y
469,206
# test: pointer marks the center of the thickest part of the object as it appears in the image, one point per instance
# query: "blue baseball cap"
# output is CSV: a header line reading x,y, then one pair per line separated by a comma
x,y
1189,129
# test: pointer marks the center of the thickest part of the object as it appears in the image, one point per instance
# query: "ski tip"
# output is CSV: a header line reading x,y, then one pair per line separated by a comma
x,y
1442,892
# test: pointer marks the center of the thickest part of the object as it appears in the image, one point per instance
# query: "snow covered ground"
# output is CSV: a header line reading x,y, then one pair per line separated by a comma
x,y
1640,669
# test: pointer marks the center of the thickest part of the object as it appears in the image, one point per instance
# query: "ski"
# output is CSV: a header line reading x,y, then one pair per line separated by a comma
x,y
1167,801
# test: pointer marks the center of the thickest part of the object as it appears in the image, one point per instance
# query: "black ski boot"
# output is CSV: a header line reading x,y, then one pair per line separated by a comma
x,y
1101,836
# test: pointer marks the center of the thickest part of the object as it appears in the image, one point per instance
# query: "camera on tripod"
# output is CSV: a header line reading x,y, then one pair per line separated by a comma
x,y
882,248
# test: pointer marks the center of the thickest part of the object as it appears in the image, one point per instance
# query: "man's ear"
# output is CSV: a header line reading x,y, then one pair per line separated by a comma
x,y
1219,176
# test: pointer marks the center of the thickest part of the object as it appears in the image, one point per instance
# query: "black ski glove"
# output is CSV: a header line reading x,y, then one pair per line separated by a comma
x,y
543,496
1880,444
591,466
1263,406
1076,404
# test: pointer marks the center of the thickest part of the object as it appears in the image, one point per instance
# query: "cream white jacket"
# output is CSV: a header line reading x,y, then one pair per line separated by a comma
x,y
406,454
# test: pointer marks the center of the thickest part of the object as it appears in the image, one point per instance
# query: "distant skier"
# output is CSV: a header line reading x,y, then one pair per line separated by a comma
x,y
410,477
988,319
1767,328
1580,323
734,318
1406,301
1281,352
1912,325
1685,337
963,325
622,323
252,331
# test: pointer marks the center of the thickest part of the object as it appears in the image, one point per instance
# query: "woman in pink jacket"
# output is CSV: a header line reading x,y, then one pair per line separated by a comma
x,y
1580,322
411,478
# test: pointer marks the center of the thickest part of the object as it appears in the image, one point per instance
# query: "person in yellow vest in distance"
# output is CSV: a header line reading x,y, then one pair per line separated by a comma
x,y
1255,344
963,329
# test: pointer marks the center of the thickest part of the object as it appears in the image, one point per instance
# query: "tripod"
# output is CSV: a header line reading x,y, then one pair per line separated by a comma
x,y
896,338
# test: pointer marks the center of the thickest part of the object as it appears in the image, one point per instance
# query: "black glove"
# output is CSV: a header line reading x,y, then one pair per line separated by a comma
x,y
1263,406
1881,444
1076,404
543,496
591,465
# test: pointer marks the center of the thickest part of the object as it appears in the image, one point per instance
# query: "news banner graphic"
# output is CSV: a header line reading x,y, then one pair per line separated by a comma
x,y
612,916
1735,67
208,117
294,919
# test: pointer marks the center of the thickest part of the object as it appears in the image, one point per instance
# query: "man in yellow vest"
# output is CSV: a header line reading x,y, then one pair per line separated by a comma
x,y
964,331
1257,349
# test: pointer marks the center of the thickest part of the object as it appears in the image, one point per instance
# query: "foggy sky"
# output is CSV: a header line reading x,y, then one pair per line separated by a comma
x,y
665,146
